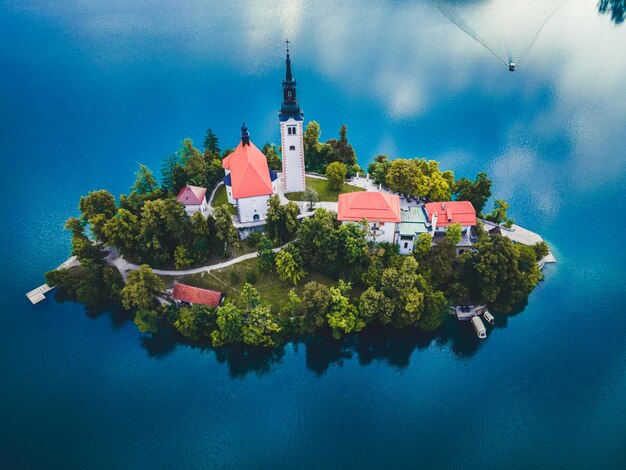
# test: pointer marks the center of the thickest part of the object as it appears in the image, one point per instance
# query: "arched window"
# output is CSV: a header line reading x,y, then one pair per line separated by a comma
x,y
256,217
292,147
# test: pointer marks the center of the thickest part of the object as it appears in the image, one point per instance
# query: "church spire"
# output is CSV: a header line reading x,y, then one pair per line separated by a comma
x,y
245,135
290,106
288,75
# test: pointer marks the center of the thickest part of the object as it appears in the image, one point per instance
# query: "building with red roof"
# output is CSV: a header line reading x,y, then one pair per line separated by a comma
x,y
248,180
194,295
194,199
442,214
381,210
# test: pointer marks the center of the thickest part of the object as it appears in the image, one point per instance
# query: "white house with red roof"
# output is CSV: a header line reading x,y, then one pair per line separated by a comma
x,y
443,214
248,180
381,210
194,199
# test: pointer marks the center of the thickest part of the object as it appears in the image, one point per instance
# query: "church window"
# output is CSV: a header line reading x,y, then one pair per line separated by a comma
x,y
292,147
291,130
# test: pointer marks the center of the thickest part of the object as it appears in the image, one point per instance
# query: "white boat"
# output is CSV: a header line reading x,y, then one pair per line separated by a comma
x,y
489,317
479,327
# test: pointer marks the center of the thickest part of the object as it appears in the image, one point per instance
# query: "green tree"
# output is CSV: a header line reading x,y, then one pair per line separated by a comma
x,y
96,203
343,152
226,235
122,232
379,168
280,221
266,255
273,158
314,156
182,259
336,175
211,142
229,326
200,248
311,196
145,182
373,304
292,306
422,247
498,214
541,250
436,307
141,287
288,268
403,176
318,242
147,320
195,322
259,328
169,169
454,233
344,317
316,300
249,297
477,192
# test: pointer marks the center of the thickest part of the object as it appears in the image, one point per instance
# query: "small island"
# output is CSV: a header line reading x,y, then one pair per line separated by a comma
x,y
256,246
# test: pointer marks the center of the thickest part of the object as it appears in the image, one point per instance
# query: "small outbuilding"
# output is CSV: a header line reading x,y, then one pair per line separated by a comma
x,y
194,199
196,296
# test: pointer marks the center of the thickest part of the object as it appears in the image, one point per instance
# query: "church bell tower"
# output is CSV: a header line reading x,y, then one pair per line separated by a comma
x,y
291,119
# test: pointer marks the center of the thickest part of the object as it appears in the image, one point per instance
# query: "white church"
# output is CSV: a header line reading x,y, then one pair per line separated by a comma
x,y
249,181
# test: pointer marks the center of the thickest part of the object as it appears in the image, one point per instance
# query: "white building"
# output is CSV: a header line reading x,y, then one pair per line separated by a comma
x,y
291,119
248,180
381,210
194,199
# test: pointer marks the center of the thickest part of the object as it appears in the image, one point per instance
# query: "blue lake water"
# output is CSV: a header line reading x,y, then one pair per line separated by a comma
x,y
89,89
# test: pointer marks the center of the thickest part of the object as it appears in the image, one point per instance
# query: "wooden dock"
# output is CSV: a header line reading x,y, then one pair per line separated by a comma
x,y
37,295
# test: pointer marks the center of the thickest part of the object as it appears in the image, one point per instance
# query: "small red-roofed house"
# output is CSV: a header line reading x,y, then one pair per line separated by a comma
x,y
196,296
248,180
381,210
194,199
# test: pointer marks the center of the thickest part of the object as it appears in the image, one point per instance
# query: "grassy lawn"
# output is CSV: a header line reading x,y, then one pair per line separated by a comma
x,y
221,198
273,291
324,192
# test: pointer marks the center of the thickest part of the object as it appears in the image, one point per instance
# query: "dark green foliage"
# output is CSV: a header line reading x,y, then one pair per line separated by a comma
x,y
477,192
318,156
147,320
436,307
266,255
281,221
211,142
141,288
378,169
316,303
252,277
91,285
541,250
498,214
253,239
273,158
336,175
196,322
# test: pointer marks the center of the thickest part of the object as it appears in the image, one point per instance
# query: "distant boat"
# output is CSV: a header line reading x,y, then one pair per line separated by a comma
x,y
479,327
489,317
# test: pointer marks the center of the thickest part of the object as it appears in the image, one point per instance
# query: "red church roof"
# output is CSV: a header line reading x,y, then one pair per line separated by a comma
x,y
195,295
191,195
451,212
249,173
373,206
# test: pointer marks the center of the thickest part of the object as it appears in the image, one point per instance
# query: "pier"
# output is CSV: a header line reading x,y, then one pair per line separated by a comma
x,y
38,294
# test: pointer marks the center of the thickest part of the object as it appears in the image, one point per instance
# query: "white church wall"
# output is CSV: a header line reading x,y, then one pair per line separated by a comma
x,y
248,207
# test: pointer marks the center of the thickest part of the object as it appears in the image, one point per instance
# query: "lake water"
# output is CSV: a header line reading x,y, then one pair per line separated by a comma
x,y
89,89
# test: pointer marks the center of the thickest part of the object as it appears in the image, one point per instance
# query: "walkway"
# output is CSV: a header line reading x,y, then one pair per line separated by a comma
x,y
123,266
37,295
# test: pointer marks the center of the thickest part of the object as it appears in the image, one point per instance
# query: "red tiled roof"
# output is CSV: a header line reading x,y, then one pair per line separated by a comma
x,y
249,173
373,206
451,212
195,295
191,195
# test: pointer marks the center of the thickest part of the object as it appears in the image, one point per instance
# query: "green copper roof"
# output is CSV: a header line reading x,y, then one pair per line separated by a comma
x,y
413,221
